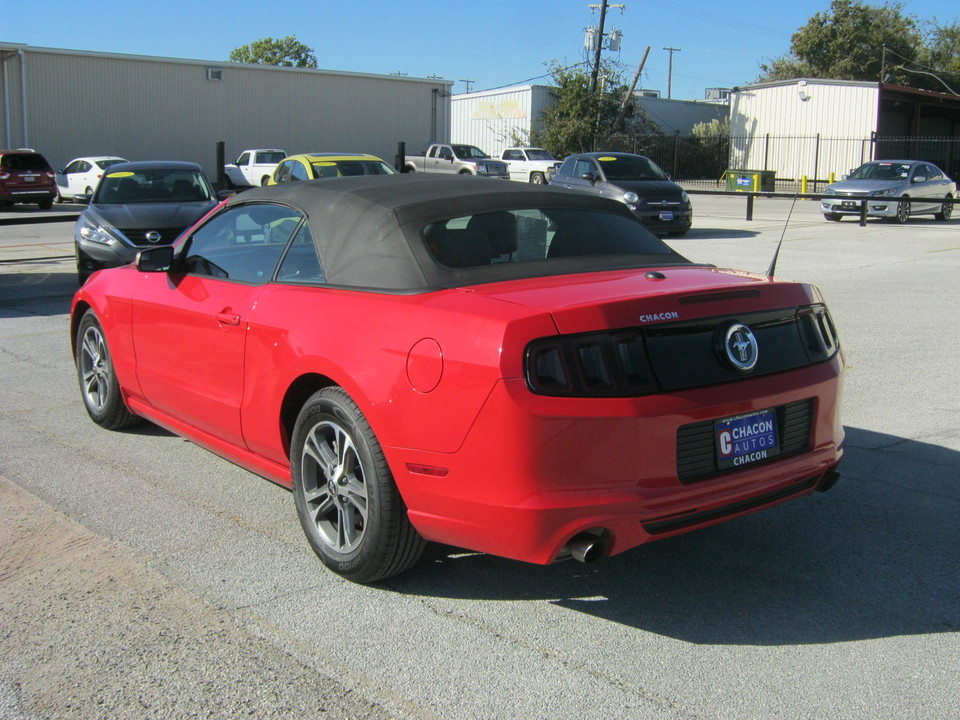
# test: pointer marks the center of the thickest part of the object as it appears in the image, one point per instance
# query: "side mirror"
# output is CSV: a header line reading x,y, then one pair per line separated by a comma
x,y
158,259
589,177
919,179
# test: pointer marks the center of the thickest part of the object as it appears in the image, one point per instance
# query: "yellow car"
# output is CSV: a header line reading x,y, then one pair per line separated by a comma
x,y
311,166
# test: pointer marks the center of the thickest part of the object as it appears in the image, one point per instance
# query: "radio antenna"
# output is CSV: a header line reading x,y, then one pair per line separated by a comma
x,y
776,253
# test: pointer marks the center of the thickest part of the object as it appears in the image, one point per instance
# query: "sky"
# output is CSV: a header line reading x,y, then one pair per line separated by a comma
x,y
477,44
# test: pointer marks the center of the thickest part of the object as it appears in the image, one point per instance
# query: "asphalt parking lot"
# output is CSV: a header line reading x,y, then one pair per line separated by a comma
x,y
141,576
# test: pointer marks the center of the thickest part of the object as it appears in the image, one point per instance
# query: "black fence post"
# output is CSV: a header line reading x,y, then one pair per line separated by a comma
x,y
221,161
399,163
750,197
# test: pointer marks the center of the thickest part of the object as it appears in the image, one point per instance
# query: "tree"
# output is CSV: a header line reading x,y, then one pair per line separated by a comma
x,y
847,43
286,52
577,118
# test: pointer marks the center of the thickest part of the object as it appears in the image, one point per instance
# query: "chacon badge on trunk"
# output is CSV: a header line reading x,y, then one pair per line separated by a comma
x,y
740,347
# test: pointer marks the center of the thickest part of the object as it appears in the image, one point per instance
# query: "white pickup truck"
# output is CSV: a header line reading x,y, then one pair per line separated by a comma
x,y
254,167
530,164
456,159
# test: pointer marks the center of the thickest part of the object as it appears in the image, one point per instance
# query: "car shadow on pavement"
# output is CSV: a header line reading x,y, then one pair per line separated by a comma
x,y
875,557
43,289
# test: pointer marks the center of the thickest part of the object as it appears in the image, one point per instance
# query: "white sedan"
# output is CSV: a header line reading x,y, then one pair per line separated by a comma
x,y
82,175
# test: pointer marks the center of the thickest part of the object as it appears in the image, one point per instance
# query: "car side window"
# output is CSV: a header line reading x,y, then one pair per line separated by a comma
x,y
584,167
242,243
298,172
301,265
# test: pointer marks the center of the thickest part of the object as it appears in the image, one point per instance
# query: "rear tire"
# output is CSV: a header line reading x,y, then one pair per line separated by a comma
x,y
98,380
537,178
45,204
348,504
946,210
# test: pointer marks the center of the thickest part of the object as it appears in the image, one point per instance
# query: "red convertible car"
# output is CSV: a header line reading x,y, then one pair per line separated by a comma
x,y
520,370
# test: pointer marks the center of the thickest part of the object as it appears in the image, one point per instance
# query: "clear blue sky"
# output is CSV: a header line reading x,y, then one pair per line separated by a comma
x,y
492,43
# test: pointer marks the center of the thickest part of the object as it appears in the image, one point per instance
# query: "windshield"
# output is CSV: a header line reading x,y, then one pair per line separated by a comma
x,y
630,167
531,235
153,186
881,171
344,168
469,152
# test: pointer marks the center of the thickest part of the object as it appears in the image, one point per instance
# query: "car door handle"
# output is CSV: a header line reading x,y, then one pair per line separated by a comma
x,y
228,317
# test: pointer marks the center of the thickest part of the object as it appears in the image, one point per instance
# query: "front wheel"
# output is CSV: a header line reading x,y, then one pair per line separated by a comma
x,y
903,211
348,504
98,380
946,210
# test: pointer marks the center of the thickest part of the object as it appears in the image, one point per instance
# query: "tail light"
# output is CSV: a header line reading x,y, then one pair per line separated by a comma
x,y
605,364
818,332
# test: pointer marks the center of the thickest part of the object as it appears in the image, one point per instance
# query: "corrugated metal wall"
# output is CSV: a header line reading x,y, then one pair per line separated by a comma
x,y
498,119
167,109
811,112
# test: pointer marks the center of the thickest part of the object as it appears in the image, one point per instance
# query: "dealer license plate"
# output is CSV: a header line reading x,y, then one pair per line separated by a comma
x,y
666,214
850,204
746,439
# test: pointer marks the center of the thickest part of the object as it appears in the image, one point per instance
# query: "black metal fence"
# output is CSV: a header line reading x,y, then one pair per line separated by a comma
x,y
704,160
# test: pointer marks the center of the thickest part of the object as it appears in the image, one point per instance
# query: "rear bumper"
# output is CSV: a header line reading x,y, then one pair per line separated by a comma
x,y
535,472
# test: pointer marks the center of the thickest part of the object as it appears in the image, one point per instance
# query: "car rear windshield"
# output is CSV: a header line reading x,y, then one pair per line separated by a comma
x,y
538,235
125,187
346,168
24,161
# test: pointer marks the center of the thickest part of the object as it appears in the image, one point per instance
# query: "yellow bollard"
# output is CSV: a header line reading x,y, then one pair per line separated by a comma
x,y
756,182
832,178
803,185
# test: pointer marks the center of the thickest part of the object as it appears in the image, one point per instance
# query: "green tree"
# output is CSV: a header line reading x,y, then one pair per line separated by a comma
x,y
940,56
577,118
847,43
286,52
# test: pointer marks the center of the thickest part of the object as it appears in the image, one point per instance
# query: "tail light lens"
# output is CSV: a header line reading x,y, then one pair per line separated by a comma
x,y
818,332
606,364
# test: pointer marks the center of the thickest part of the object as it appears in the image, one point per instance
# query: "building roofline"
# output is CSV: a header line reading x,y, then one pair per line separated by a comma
x,y
7,47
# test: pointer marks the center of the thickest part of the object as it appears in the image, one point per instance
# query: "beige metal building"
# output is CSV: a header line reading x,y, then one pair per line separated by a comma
x,y
67,104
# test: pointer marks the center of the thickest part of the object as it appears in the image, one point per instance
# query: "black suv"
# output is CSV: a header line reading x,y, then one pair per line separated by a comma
x,y
26,177
638,182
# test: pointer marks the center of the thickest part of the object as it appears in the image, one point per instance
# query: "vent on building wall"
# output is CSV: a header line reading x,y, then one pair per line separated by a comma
x,y
214,73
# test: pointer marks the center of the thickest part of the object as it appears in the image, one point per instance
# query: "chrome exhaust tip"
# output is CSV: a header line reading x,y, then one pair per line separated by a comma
x,y
587,547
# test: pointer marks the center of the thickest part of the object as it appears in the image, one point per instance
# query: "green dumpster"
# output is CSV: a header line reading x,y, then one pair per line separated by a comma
x,y
750,180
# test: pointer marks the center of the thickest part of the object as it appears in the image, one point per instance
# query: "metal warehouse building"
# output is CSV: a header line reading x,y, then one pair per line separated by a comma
x,y
68,104
812,127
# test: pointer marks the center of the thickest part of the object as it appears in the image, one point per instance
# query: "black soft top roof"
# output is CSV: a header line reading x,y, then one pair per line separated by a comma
x,y
367,228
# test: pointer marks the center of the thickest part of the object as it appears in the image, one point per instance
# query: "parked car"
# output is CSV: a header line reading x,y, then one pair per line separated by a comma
x,y
636,181
894,189
253,168
82,175
313,166
139,205
530,164
26,177
456,159
513,369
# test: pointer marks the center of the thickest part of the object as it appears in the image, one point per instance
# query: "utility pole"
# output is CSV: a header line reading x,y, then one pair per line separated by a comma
x,y
671,50
596,55
467,83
